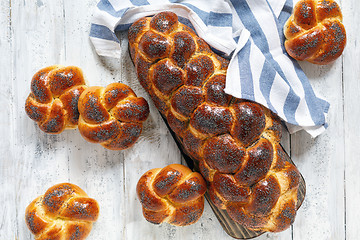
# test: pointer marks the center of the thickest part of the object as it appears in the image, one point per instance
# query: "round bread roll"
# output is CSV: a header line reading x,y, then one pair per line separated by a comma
x,y
64,212
315,32
173,194
54,96
112,116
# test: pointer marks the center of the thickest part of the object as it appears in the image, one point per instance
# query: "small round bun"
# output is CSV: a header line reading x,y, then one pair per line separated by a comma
x,y
63,212
55,92
315,32
112,116
173,194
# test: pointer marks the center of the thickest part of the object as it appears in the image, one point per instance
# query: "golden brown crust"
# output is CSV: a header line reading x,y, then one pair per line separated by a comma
x,y
54,96
315,32
173,194
63,212
112,116
235,141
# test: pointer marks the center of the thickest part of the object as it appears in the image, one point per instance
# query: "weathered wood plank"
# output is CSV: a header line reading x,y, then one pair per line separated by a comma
x,y
8,221
98,170
321,161
351,63
38,160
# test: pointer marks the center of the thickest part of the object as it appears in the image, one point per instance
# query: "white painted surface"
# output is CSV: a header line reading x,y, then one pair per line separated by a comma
x,y
37,33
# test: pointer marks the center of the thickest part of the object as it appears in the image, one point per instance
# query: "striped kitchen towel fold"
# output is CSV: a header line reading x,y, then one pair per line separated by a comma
x,y
249,33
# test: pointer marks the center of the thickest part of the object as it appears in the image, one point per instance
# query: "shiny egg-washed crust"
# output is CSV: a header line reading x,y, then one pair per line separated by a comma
x,y
54,96
64,212
315,32
173,194
112,116
235,141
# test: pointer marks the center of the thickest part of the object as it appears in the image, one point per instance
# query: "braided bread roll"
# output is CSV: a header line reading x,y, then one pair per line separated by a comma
x,y
173,194
55,92
64,212
315,32
235,141
112,116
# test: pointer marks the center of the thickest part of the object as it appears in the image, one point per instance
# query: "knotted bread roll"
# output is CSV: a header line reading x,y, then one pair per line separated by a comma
x,y
112,116
54,96
236,142
173,194
64,212
315,32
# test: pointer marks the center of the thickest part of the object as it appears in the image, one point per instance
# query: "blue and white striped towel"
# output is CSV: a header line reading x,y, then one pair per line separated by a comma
x,y
250,32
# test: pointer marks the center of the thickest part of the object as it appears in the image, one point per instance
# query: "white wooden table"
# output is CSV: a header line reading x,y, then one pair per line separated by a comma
x,y
38,33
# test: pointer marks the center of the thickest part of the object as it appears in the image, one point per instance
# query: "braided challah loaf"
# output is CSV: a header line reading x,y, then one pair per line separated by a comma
x,y
315,32
64,212
112,116
173,194
53,100
235,141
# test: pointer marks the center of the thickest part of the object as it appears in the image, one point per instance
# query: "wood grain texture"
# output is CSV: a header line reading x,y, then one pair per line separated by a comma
x,y
321,161
96,169
36,159
351,84
38,33
7,170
